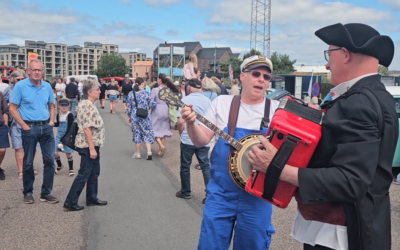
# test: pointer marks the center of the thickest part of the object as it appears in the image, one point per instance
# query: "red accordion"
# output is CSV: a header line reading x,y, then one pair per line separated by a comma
x,y
295,131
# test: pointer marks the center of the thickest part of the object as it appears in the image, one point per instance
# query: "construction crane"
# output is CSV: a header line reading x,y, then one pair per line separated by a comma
x,y
260,32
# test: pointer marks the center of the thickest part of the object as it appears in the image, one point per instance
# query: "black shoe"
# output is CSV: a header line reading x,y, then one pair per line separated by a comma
x,y
28,198
179,194
96,203
73,208
48,198
2,175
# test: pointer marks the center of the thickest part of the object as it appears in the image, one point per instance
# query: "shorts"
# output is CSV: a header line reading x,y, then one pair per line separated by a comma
x,y
4,141
102,96
125,99
16,138
113,98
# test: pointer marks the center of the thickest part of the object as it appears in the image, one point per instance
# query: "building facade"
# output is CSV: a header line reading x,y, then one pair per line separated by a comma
x,y
143,69
133,57
307,70
59,60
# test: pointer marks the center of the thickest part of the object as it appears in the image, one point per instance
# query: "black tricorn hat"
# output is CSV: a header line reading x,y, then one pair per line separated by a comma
x,y
359,38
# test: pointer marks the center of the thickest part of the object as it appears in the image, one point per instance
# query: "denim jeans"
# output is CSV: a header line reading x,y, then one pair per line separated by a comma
x,y
44,135
88,174
72,105
187,152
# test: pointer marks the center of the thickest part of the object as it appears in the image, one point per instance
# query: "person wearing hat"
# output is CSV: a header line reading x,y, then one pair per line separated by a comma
x,y
200,104
64,121
343,195
227,206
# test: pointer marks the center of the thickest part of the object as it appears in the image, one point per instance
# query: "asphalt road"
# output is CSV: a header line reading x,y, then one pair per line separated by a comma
x,y
143,212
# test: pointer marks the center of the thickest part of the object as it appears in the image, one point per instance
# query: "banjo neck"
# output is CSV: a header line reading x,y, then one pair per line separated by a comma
x,y
234,143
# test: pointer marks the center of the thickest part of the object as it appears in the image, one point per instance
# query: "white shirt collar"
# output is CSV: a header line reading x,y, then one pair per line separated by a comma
x,y
344,86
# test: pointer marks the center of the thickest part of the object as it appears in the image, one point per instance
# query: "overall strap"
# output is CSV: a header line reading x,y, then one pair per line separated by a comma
x,y
265,120
233,115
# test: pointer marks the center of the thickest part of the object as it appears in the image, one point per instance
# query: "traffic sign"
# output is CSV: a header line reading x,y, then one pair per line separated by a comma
x,y
315,89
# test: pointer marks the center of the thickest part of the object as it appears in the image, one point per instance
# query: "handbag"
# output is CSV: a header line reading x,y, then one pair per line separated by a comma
x,y
141,113
69,138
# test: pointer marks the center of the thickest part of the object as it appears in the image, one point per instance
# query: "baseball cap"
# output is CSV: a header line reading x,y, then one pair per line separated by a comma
x,y
254,62
195,83
63,102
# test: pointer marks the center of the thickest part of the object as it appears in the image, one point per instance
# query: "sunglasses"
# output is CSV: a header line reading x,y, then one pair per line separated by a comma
x,y
257,74
64,105
17,80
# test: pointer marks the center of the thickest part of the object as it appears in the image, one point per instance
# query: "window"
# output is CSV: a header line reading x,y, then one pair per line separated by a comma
x,y
1,58
130,56
146,69
137,75
397,105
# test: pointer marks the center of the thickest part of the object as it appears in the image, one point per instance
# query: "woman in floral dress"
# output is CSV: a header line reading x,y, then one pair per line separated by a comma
x,y
160,115
142,129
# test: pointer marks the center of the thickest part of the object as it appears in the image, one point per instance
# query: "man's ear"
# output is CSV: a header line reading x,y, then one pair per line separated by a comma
x,y
347,55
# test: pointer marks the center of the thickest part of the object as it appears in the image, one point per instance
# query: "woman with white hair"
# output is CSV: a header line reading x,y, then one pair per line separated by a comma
x,y
210,89
89,139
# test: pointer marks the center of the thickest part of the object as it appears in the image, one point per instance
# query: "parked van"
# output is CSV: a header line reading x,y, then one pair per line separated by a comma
x,y
82,77
395,92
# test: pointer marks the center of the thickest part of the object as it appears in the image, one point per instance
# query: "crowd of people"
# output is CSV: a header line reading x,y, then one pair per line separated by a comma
x,y
342,196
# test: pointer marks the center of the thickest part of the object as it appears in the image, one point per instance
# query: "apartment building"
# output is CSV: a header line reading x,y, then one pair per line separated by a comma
x,y
12,55
132,57
58,59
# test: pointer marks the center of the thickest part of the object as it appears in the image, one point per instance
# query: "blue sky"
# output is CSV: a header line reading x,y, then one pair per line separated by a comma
x,y
139,25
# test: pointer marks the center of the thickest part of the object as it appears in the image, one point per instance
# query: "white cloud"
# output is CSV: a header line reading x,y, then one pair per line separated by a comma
x,y
68,27
395,4
124,1
157,3
172,32
223,34
294,23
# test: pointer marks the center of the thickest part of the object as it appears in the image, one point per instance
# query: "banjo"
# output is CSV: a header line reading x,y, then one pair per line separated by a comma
x,y
239,167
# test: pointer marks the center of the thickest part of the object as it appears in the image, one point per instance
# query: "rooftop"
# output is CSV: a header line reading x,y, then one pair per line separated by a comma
x,y
143,63
209,52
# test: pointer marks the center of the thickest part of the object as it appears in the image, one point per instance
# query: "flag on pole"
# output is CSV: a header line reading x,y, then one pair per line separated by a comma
x,y
230,71
310,85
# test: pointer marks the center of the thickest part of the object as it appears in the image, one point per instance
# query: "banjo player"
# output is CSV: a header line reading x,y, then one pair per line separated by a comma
x,y
228,208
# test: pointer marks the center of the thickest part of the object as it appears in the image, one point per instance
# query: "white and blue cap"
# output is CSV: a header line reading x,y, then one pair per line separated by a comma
x,y
255,62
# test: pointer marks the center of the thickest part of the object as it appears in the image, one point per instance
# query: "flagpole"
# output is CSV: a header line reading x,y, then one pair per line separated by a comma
x,y
310,85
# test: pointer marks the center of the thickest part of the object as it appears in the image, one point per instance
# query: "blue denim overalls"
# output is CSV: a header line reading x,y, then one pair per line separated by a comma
x,y
226,204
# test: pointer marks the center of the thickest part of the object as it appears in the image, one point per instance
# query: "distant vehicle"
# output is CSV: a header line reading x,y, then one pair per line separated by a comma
x,y
83,77
395,92
278,94
269,91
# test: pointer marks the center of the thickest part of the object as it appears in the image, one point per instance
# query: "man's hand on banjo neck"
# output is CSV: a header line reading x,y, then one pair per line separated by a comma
x,y
261,156
199,135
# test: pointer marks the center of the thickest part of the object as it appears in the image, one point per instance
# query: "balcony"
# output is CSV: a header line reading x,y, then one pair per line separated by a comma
x,y
48,61
57,54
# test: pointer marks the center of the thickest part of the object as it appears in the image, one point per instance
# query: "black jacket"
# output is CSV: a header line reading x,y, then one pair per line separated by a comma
x,y
352,165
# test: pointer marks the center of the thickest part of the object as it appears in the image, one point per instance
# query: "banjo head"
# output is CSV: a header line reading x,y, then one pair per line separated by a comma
x,y
239,167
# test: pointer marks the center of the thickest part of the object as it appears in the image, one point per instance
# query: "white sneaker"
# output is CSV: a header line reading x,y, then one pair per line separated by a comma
x,y
149,155
136,156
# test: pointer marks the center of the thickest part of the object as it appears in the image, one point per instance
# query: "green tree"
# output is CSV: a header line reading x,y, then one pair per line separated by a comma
x,y
236,62
282,63
326,86
251,53
111,65
382,70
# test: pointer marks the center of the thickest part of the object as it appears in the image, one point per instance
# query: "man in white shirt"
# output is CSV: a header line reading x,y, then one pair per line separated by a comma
x,y
227,206
342,199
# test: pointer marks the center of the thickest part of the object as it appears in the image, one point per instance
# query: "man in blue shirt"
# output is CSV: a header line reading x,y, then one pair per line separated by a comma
x,y
31,106
200,104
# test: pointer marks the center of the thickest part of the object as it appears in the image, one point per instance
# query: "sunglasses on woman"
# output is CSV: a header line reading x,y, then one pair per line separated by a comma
x,y
17,80
257,74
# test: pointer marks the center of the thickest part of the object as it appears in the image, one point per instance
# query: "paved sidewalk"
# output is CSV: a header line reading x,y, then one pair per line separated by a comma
x,y
142,202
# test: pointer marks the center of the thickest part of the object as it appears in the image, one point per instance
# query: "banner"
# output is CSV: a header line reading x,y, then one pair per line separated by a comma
x,y
32,56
